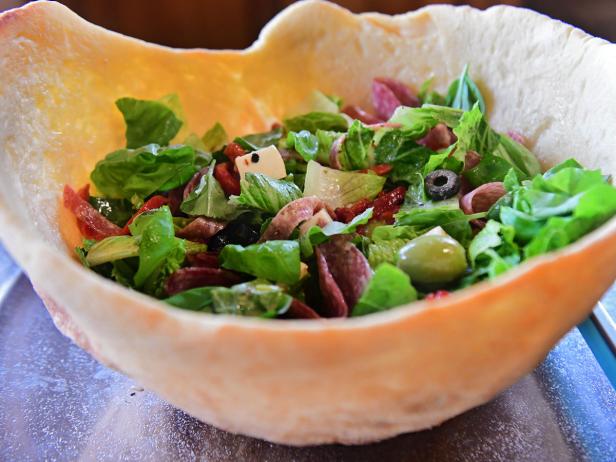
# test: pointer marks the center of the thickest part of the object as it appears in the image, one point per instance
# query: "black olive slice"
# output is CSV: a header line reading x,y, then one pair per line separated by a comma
x,y
442,184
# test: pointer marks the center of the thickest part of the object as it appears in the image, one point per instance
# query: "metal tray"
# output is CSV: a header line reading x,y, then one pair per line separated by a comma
x,y
57,403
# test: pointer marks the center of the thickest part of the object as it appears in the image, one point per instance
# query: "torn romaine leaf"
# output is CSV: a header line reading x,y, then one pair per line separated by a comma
x,y
264,193
357,149
257,141
254,298
416,121
305,143
148,121
129,173
215,138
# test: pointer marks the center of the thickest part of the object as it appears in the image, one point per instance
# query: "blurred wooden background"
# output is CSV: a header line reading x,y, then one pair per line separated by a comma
x,y
236,23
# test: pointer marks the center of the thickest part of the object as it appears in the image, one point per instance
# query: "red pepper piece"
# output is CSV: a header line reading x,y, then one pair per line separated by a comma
x,y
436,295
233,150
228,178
92,224
152,203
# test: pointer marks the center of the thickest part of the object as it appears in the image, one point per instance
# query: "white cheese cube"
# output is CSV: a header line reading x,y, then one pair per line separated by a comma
x,y
266,161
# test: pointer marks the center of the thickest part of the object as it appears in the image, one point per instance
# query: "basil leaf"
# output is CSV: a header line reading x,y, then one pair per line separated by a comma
x,y
273,260
388,287
215,138
264,193
305,143
148,122
208,199
160,253
118,211
254,298
141,172
464,94
314,121
357,150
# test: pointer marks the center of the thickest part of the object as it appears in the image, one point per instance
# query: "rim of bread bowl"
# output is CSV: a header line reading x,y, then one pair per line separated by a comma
x,y
525,269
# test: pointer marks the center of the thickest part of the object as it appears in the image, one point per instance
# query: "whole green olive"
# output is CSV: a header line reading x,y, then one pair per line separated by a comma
x,y
433,259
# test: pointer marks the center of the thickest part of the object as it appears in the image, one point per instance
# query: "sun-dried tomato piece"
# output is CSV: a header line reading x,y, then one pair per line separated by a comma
x,y
228,178
91,223
198,276
233,150
346,214
153,203
387,204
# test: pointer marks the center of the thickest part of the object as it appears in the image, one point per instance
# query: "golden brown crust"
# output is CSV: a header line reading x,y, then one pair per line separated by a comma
x,y
303,382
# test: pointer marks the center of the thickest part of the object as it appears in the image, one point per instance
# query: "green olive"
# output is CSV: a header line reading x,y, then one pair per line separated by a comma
x,y
433,259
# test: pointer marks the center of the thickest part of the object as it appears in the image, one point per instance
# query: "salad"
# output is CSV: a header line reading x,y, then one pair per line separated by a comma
x,y
336,211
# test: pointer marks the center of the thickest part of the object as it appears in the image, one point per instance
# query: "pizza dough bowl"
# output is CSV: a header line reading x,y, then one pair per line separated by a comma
x,y
303,382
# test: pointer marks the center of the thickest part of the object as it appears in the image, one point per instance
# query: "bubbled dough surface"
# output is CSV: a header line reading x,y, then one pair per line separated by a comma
x,y
303,382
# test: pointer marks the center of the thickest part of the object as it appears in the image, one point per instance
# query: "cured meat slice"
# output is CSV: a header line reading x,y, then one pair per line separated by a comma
x,y
91,223
200,229
196,276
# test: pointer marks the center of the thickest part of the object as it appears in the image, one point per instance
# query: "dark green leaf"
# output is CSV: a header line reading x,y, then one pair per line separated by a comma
x,y
273,260
148,122
198,299
428,96
389,287
314,121
259,140
117,211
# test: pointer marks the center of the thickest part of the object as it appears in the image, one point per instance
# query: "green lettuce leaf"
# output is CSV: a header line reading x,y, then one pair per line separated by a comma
x,y
272,260
129,173
388,287
357,150
197,299
385,251
464,94
208,199
317,235
264,193
417,121
112,248
305,143
160,253
259,140
215,138
148,122
254,298
325,138
338,188
314,121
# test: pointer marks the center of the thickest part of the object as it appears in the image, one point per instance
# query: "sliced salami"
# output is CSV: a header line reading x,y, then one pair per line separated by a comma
x,y
189,278
290,216
200,229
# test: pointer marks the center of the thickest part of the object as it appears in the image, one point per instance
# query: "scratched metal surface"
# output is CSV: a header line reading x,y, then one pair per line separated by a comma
x,y
57,403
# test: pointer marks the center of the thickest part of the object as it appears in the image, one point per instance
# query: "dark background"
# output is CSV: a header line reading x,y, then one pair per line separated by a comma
x,y
236,23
